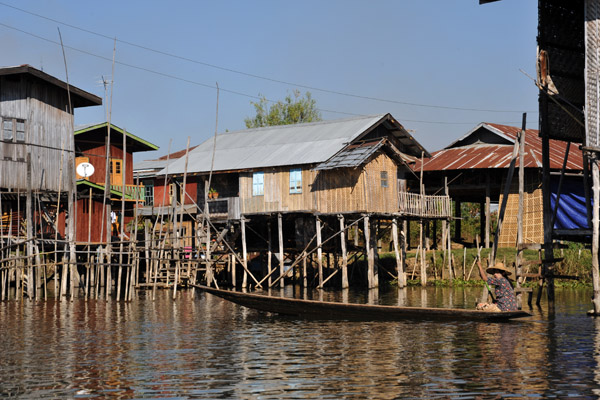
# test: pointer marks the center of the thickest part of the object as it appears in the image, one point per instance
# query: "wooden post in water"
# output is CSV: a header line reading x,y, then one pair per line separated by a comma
x,y
319,252
401,276
233,277
369,253
519,255
269,250
281,256
304,275
595,236
244,253
29,222
344,252
488,217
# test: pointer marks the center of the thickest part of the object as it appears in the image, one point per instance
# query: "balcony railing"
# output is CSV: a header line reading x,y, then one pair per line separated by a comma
x,y
132,192
417,205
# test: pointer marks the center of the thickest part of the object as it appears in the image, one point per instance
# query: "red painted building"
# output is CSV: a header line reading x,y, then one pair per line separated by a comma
x,y
93,210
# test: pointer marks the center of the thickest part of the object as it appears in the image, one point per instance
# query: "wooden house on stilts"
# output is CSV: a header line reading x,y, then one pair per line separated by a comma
x,y
302,201
475,168
37,177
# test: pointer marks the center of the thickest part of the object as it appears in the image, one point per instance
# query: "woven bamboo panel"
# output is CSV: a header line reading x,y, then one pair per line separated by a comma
x,y
533,221
592,64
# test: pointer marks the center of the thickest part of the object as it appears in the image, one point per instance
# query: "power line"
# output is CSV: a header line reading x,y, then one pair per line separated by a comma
x,y
314,88
163,74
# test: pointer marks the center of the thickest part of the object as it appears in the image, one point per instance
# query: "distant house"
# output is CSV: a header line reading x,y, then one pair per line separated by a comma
x,y
156,198
36,140
350,166
475,167
90,146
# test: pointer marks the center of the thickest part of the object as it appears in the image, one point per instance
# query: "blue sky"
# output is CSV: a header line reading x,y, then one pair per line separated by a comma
x,y
439,66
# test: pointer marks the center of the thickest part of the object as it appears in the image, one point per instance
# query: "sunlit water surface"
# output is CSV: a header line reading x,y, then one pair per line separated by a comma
x,y
200,346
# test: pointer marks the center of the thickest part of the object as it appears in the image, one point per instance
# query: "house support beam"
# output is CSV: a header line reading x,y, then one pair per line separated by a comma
x,y
281,257
319,252
399,255
344,252
457,221
244,253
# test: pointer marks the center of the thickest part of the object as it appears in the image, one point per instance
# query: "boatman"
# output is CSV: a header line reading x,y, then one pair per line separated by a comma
x,y
505,294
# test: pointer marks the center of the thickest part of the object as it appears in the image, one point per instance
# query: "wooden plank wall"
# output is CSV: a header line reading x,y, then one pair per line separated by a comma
x,y
331,191
47,122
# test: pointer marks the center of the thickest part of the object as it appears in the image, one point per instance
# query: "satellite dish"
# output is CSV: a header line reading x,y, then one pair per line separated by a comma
x,y
85,169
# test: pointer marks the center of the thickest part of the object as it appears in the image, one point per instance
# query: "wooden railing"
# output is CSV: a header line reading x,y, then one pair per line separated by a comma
x,y
135,192
417,205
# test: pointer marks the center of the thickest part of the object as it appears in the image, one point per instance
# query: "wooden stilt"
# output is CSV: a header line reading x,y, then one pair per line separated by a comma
x,y
595,236
233,277
304,272
399,267
344,253
244,254
423,263
319,252
487,209
369,253
269,251
281,255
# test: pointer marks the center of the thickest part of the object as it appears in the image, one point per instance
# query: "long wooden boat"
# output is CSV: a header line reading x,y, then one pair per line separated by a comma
x,y
353,311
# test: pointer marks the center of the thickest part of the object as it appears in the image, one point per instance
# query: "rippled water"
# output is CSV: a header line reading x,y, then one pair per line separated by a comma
x,y
199,346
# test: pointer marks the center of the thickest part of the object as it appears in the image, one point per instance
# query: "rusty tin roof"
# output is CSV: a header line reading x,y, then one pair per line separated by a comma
x,y
496,151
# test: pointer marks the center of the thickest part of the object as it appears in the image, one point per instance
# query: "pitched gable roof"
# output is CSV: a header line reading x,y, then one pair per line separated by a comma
x,y
495,151
284,145
79,97
134,143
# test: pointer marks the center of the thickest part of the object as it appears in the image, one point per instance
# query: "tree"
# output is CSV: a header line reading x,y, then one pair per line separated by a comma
x,y
296,110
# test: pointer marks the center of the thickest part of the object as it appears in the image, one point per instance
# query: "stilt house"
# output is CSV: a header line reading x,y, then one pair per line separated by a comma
x,y
36,146
475,168
357,165
91,148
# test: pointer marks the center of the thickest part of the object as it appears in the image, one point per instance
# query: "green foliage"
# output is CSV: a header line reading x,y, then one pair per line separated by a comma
x,y
292,110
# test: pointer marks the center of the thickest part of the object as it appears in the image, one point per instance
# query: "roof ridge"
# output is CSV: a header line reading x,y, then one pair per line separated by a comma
x,y
286,126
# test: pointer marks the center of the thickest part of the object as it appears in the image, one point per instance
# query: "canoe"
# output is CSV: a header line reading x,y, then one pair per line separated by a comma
x,y
352,311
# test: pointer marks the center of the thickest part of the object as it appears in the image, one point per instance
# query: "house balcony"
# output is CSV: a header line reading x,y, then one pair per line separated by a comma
x,y
424,206
132,192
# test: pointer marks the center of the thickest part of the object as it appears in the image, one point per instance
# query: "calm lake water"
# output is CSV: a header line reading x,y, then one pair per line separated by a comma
x,y
200,346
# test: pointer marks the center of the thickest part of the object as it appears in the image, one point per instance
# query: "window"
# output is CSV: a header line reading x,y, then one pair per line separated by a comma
x,y
148,193
13,130
258,184
295,180
384,179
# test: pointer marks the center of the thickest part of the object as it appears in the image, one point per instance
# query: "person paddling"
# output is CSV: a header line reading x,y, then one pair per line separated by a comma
x,y
505,295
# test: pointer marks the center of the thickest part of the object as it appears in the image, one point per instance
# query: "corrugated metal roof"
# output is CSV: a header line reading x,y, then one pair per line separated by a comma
x,y
351,157
155,165
481,155
274,146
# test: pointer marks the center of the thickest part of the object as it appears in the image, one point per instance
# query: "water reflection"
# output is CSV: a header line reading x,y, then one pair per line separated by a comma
x,y
200,346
